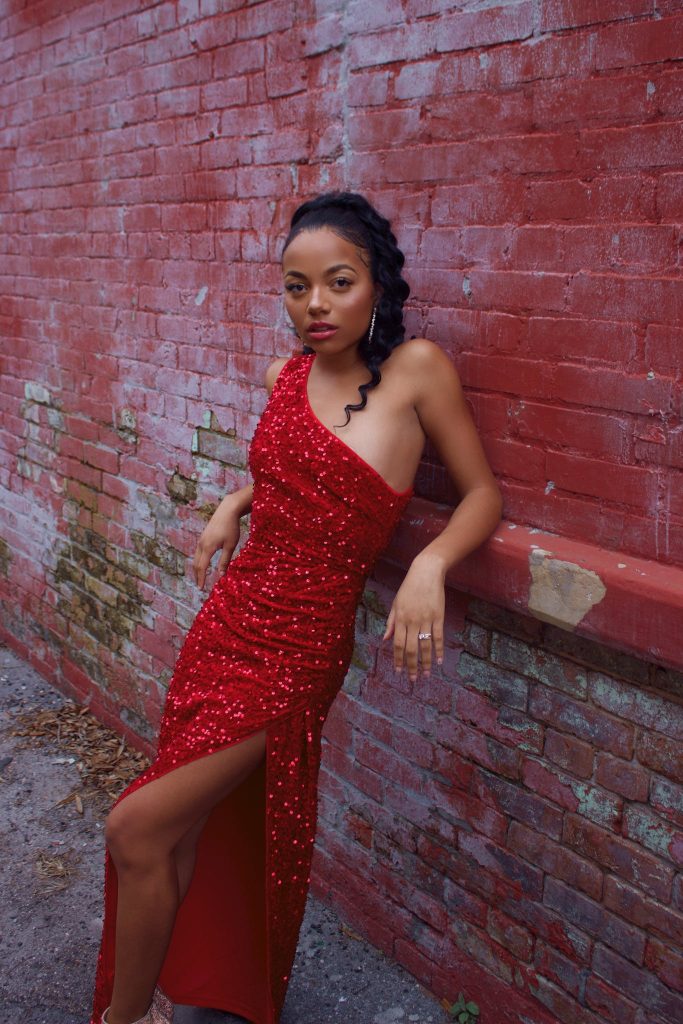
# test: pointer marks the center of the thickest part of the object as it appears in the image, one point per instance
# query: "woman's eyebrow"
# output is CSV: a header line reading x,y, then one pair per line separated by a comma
x,y
340,266
330,270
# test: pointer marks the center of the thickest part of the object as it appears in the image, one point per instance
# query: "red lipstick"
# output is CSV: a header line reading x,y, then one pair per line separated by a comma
x,y
320,330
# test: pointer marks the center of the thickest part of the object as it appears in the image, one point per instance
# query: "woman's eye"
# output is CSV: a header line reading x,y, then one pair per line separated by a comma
x,y
342,282
294,287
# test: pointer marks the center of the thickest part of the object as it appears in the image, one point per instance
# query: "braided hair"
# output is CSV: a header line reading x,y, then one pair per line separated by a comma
x,y
352,217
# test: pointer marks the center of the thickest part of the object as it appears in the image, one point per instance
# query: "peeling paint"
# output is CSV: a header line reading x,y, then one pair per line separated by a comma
x,y
201,295
562,592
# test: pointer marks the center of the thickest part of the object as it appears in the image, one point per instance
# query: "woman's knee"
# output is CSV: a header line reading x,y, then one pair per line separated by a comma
x,y
130,847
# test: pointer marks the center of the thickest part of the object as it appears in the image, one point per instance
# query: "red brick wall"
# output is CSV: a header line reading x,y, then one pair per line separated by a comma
x,y
529,155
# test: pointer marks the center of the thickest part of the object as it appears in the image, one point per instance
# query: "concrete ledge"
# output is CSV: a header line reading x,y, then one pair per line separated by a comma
x,y
625,602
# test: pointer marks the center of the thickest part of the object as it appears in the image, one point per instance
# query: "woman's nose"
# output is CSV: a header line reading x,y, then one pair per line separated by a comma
x,y
316,300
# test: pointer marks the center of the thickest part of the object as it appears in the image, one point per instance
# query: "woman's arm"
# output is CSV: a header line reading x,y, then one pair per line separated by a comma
x,y
223,529
446,420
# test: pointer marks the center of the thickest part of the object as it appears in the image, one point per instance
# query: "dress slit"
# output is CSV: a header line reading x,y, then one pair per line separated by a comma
x,y
220,955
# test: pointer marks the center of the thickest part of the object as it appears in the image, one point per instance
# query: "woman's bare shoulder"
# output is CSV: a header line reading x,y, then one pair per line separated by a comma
x,y
273,371
422,360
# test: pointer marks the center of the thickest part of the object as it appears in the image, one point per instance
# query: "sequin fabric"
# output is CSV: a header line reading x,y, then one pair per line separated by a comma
x,y
269,649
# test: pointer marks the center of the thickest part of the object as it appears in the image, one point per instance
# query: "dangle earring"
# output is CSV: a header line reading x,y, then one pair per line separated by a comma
x,y
372,325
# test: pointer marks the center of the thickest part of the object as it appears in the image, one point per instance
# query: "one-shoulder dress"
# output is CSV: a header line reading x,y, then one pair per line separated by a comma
x,y
269,649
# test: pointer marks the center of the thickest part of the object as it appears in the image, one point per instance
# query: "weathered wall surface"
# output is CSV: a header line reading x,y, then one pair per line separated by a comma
x,y
517,817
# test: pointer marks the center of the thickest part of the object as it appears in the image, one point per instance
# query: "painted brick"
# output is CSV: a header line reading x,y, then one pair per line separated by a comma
x,y
585,722
666,963
593,919
514,800
619,855
667,798
590,801
530,661
570,753
633,906
636,983
609,1003
661,753
649,830
622,777
555,859
558,968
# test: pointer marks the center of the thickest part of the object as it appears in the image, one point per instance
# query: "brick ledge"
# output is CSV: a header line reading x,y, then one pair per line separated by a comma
x,y
629,603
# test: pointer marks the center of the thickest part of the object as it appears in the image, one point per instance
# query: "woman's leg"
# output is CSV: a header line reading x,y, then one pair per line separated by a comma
x,y
143,833
184,855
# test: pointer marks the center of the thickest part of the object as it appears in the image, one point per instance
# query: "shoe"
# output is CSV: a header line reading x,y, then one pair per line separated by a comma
x,y
160,1012
143,1020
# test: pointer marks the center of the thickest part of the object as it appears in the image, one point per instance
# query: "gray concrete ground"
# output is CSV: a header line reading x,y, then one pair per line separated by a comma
x,y
51,879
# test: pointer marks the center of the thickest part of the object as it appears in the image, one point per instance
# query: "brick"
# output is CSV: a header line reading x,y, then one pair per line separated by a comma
x,y
638,43
555,859
627,485
622,777
531,661
593,919
609,1003
667,798
646,708
585,432
510,935
593,726
661,753
478,747
666,963
570,753
501,686
561,14
558,968
647,828
590,801
619,855
518,731
514,800
560,1003
634,906
605,198
640,985
499,861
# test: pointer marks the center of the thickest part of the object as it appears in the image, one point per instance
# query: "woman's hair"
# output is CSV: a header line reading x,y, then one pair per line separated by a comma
x,y
352,217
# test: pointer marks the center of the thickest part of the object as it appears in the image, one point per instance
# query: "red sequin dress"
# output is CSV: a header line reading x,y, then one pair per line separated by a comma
x,y
269,649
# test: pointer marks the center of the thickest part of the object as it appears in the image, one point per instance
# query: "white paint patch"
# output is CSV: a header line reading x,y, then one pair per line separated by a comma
x,y
201,295
562,592
36,393
550,486
650,89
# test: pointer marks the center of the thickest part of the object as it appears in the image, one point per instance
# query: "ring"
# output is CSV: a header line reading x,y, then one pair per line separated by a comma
x,y
424,636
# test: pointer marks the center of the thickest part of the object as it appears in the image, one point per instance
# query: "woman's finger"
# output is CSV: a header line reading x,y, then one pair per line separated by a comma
x,y
437,630
424,638
411,652
390,625
399,645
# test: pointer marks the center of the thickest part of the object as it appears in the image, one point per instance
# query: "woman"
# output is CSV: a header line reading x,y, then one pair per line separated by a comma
x,y
208,851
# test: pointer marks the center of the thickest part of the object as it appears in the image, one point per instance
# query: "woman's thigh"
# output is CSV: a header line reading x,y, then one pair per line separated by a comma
x,y
151,821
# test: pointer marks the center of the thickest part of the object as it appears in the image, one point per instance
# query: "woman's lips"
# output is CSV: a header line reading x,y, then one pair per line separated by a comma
x,y
321,331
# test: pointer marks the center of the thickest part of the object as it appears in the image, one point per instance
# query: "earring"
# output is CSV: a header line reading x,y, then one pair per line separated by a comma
x,y
372,325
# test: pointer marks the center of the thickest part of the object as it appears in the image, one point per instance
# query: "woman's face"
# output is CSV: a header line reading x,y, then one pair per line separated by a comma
x,y
329,291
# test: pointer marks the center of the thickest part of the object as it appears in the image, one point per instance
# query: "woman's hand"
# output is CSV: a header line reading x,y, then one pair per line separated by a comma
x,y
419,607
221,531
